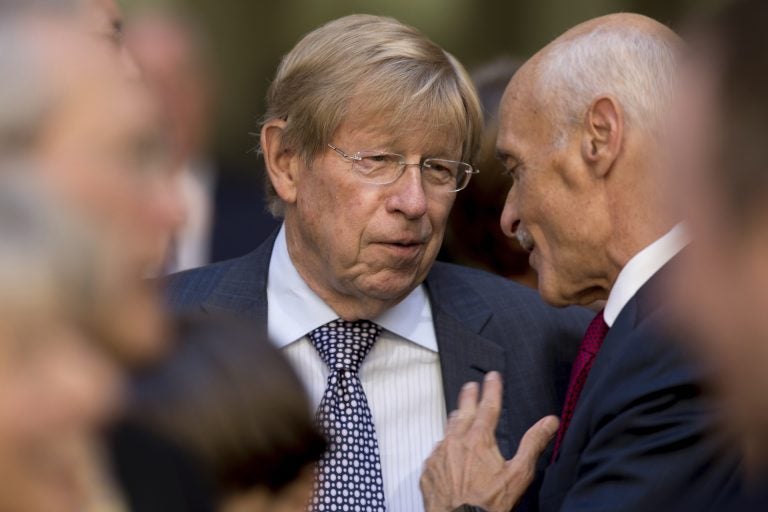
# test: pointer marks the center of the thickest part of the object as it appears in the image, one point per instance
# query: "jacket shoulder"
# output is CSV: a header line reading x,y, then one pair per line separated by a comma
x,y
190,288
506,298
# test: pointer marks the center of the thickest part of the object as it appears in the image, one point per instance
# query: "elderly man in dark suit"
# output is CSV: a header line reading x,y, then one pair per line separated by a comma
x,y
369,134
579,126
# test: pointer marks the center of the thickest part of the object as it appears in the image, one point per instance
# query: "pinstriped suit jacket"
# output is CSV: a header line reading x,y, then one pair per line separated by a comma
x,y
482,323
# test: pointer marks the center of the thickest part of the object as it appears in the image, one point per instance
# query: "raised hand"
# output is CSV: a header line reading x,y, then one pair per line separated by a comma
x,y
467,466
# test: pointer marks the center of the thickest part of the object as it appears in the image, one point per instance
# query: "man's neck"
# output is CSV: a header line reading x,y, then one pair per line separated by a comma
x,y
631,237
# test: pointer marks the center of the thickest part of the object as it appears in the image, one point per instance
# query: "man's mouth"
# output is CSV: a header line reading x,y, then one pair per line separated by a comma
x,y
404,244
405,247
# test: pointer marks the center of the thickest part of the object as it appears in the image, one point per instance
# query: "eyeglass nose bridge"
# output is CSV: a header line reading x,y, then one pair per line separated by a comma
x,y
401,171
421,166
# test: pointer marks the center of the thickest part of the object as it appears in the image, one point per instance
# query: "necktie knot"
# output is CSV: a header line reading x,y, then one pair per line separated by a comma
x,y
344,345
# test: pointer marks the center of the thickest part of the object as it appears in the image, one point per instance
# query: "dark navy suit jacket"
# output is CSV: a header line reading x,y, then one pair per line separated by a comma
x,y
641,438
482,323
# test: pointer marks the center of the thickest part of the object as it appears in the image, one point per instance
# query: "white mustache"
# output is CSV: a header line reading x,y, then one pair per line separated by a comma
x,y
524,239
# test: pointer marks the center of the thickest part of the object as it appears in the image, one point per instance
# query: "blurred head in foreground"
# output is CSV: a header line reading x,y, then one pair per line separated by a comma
x,y
94,137
720,166
56,385
100,20
231,399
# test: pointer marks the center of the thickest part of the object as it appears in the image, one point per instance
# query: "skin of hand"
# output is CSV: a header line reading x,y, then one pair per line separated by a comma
x,y
467,468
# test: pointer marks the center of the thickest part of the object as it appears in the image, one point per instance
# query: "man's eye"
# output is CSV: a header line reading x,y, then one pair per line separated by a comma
x,y
510,173
439,167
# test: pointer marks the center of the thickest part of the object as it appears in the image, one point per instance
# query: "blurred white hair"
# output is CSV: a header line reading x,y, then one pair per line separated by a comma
x,y
49,261
24,95
632,65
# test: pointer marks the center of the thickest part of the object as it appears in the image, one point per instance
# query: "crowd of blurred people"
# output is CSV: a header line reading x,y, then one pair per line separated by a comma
x,y
178,337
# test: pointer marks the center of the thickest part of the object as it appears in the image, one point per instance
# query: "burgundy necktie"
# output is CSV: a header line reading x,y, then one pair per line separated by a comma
x,y
590,345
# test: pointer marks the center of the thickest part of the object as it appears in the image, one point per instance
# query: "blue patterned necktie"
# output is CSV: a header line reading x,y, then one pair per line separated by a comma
x,y
349,475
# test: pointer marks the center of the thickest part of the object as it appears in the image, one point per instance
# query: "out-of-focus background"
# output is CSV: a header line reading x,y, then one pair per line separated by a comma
x,y
248,37
243,41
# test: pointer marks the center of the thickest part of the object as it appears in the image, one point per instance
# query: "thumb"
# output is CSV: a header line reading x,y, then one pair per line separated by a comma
x,y
536,439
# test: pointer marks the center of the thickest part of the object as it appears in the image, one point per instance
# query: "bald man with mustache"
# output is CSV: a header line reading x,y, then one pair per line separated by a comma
x,y
579,133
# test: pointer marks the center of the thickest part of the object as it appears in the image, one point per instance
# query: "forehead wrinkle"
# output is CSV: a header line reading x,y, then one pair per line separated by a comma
x,y
427,143
522,111
431,121
403,136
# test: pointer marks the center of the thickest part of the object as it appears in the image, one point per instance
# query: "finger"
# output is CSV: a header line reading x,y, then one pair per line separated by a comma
x,y
536,439
461,419
427,488
489,409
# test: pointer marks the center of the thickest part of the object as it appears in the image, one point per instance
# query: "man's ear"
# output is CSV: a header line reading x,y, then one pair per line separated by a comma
x,y
603,135
282,163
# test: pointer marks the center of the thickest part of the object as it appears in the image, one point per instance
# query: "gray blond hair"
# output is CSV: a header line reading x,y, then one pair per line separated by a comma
x,y
25,95
49,262
631,64
398,71
14,7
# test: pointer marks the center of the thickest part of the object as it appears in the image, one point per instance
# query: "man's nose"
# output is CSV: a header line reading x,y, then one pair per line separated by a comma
x,y
510,217
408,196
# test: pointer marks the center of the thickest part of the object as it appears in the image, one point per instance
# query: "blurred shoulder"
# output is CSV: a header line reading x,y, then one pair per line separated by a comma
x,y
200,279
245,276
192,287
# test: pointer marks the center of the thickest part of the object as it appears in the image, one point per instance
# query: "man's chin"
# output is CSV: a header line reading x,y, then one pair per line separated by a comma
x,y
390,285
552,294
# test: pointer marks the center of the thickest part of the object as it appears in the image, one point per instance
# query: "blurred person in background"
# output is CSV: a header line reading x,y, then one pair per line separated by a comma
x,y
473,236
369,134
231,399
720,185
579,130
57,387
96,139
226,214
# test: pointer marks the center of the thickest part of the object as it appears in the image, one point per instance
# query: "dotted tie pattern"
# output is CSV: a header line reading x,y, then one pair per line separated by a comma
x,y
349,476
590,346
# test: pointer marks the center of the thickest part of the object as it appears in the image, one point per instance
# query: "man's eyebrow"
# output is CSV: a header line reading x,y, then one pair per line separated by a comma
x,y
504,156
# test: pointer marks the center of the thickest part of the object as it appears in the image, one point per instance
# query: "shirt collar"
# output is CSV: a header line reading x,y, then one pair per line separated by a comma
x,y
294,309
641,268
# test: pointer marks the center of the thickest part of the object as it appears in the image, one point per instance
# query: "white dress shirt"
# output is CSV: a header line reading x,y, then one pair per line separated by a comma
x,y
401,374
641,268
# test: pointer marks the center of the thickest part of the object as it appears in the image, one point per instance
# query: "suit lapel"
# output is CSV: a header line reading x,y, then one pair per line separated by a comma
x,y
459,315
647,301
465,355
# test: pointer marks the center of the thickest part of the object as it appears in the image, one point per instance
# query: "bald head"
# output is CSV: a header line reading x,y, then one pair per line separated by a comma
x,y
579,128
627,56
